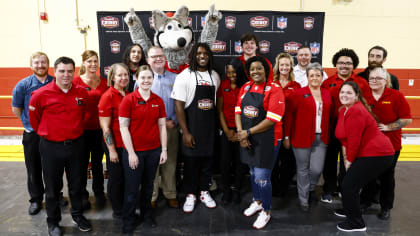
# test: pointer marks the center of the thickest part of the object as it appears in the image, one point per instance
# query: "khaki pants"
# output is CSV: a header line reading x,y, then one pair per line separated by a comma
x,y
166,171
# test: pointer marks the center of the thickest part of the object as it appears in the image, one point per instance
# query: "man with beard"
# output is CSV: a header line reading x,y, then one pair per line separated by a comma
x,y
194,92
376,57
39,64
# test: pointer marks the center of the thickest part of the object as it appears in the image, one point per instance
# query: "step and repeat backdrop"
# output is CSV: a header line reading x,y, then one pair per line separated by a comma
x,y
277,32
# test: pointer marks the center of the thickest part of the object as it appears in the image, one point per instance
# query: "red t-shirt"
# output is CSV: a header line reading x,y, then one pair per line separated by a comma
x,y
390,107
273,103
358,132
333,84
300,117
58,116
92,118
144,116
109,106
229,101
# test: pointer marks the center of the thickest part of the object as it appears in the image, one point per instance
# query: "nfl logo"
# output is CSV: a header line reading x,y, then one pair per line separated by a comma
x,y
315,48
282,23
230,22
238,47
308,23
203,21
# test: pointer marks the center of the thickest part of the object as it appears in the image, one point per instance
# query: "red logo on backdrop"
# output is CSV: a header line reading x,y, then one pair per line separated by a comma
x,y
259,22
218,46
205,104
203,21
251,111
190,21
264,46
115,46
151,24
106,69
308,23
230,22
291,47
110,22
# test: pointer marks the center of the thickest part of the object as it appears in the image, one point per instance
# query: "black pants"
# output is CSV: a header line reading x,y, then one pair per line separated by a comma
x,y
33,165
386,187
230,164
330,167
115,186
283,174
361,172
197,173
57,157
143,176
93,151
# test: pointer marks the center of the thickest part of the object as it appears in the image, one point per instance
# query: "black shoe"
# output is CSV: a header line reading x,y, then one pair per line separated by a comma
x,y
364,208
63,202
54,230
236,196
340,213
85,204
385,214
350,226
100,200
227,197
34,208
82,223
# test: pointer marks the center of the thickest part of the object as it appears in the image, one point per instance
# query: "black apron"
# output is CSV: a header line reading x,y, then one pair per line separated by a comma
x,y
201,121
262,144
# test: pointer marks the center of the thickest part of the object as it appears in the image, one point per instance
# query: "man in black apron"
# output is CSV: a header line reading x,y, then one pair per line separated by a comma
x,y
198,123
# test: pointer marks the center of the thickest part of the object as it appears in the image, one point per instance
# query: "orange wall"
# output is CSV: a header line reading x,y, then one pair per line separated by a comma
x,y
10,76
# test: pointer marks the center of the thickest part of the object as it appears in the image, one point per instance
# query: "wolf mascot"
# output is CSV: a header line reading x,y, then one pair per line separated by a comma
x,y
173,34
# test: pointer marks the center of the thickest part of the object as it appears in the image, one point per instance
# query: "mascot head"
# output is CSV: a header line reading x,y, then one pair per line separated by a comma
x,y
174,35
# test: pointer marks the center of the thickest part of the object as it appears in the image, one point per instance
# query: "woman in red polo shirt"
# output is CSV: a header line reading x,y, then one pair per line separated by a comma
x,y
282,175
108,107
259,107
393,112
229,142
142,120
307,124
367,153
96,86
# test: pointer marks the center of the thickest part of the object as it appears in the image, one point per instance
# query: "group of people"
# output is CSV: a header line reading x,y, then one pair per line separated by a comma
x,y
274,123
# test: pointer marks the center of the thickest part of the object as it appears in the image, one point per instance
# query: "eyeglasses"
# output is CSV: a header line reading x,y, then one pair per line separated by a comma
x,y
157,56
342,63
376,79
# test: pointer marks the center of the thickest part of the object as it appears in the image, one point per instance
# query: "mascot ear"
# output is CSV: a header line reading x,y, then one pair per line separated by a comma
x,y
182,14
159,19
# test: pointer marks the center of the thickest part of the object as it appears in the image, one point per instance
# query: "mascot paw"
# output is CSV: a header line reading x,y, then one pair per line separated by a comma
x,y
214,15
131,18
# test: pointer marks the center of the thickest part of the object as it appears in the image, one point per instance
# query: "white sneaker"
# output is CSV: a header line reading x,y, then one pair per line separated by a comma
x,y
262,220
207,199
189,203
253,208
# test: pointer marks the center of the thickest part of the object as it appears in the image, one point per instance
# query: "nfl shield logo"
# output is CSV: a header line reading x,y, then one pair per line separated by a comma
x,y
203,21
230,22
315,48
308,23
282,23
238,47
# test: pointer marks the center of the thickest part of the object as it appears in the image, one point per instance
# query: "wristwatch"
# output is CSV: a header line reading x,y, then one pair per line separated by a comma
x,y
248,131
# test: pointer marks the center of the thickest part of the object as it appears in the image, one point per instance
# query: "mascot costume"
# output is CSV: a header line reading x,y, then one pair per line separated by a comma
x,y
173,34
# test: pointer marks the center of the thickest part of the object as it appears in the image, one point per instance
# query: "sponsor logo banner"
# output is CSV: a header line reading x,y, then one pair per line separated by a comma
x,y
218,46
110,22
315,48
250,112
291,47
238,47
230,22
282,22
205,104
115,46
259,22
308,23
264,46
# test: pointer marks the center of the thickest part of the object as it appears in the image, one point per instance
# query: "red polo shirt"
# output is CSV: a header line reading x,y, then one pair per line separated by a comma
x,y
290,88
92,118
229,101
273,103
144,116
358,132
270,75
390,107
333,84
300,117
108,107
58,116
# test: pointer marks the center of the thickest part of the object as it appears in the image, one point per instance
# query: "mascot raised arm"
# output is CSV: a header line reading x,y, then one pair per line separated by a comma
x,y
173,34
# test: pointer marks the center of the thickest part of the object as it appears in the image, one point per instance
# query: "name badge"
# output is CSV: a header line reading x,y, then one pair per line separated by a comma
x,y
141,102
227,90
332,85
306,95
87,88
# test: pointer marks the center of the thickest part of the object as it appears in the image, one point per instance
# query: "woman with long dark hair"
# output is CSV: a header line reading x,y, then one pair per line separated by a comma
x,y
133,57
